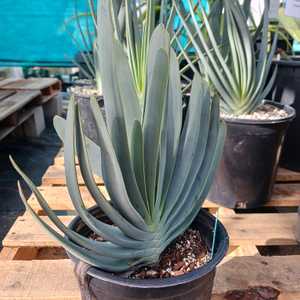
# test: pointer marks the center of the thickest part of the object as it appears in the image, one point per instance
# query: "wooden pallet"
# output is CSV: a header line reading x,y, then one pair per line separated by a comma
x,y
16,108
49,87
55,176
285,195
29,253
283,175
54,279
257,229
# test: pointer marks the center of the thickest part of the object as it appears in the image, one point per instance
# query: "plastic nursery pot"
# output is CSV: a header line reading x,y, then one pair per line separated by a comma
x,y
298,226
196,285
287,91
247,171
87,118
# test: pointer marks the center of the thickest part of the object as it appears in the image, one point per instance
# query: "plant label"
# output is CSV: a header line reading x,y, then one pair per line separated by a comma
x,y
292,8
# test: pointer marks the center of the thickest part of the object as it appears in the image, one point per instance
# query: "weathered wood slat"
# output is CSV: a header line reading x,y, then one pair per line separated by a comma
x,y
5,94
31,84
16,102
59,200
7,81
55,175
284,175
54,279
285,195
243,229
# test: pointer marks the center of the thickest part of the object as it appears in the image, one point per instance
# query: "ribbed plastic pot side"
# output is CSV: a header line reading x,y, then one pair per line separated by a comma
x,y
196,285
89,125
286,91
248,167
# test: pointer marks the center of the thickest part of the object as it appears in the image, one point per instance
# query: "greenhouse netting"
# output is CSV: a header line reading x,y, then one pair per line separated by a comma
x,y
38,32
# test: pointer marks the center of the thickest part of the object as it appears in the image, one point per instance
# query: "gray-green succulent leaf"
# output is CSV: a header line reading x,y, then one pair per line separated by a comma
x,y
92,148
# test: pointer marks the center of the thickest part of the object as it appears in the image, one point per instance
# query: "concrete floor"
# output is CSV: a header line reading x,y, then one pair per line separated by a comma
x,y
34,156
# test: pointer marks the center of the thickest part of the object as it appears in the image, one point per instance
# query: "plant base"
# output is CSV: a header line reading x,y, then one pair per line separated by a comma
x,y
196,285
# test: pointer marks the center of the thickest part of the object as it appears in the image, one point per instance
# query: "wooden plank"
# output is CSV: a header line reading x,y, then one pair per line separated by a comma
x,y
243,229
8,253
49,97
282,296
284,175
26,280
5,94
59,160
38,280
27,233
285,195
23,116
16,102
247,250
55,175
7,81
261,229
282,273
58,198
31,84
5,131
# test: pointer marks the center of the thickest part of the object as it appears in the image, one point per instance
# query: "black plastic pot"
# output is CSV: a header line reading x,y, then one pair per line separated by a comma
x,y
287,92
89,126
247,171
83,67
196,285
298,226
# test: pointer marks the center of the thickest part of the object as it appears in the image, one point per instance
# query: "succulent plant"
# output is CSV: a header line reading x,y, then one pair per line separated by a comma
x,y
133,22
157,171
236,70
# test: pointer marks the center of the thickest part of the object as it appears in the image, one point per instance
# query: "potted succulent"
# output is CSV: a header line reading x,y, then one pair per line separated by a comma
x,y
89,83
238,68
286,89
157,174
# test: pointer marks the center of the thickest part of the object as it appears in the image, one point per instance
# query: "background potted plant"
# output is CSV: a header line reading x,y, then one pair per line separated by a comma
x,y
134,22
88,84
157,175
287,88
238,68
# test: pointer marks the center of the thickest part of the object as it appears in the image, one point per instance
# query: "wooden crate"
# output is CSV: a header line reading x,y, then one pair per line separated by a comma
x,y
36,267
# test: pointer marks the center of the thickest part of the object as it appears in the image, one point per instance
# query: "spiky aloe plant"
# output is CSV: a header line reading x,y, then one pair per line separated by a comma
x,y
237,72
156,171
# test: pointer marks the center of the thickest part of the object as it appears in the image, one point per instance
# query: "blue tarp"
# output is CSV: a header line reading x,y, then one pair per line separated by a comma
x,y
32,32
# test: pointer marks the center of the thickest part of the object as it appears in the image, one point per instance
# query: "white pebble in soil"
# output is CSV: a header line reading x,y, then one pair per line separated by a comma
x,y
262,113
